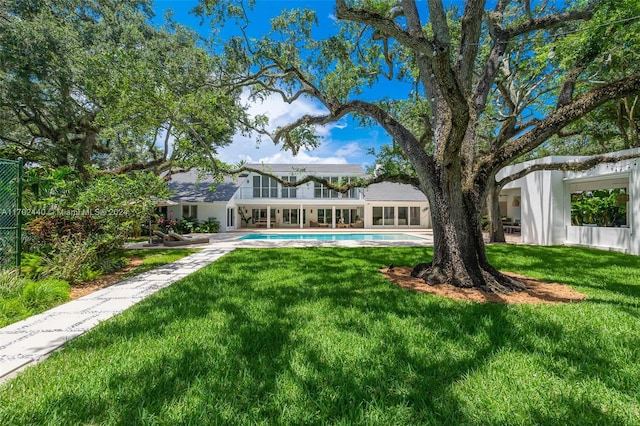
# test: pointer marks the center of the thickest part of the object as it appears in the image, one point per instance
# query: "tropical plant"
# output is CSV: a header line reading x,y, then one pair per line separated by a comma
x,y
604,207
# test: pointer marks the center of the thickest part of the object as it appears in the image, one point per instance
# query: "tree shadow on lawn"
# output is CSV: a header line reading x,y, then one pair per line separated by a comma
x,y
321,343
580,267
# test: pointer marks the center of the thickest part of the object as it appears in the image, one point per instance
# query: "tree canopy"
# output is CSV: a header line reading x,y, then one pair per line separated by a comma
x,y
96,84
480,87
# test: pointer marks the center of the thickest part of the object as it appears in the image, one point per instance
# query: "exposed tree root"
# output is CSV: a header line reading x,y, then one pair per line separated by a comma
x,y
489,280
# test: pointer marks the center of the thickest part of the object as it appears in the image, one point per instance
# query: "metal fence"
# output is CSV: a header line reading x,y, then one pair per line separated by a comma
x,y
10,210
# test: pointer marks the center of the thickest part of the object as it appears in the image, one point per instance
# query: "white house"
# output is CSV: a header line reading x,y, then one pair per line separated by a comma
x,y
252,200
541,201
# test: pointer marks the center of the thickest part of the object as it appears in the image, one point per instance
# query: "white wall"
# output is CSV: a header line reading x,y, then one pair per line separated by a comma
x,y
546,203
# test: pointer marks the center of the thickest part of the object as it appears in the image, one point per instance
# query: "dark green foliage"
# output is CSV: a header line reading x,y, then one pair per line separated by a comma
x,y
602,207
21,298
39,296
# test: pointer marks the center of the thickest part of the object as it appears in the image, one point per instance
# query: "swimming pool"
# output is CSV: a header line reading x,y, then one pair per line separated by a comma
x,y
333,237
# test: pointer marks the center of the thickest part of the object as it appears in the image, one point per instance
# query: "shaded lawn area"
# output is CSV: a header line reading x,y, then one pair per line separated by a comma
x,y
318,336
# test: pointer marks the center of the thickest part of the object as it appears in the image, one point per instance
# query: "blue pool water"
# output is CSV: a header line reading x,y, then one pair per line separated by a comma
x,y
333,237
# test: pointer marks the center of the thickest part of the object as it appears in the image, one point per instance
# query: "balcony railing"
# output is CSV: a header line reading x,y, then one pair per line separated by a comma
x,y
249,193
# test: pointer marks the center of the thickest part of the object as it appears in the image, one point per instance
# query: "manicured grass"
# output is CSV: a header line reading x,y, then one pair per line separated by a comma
x,y
153,258
318,336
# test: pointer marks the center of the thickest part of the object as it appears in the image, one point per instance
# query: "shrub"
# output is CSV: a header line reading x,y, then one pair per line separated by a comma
x,y
31,265
11,311
11,284
41,295
48,229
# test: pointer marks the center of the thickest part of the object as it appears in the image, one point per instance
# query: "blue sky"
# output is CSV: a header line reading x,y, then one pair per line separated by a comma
x,y
342,142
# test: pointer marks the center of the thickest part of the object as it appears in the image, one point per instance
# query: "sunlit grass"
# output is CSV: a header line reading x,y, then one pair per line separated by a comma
x,y
318,336
154,258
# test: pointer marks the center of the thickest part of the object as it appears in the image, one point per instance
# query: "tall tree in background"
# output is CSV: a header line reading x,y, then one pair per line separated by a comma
x,y
483,87
94,84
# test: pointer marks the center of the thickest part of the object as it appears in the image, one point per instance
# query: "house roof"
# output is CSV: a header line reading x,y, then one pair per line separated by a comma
x,y
389,191
311,169
189,187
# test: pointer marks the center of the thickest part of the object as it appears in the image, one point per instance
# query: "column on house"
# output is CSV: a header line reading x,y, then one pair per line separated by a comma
x,y
333,217
268,217
300,217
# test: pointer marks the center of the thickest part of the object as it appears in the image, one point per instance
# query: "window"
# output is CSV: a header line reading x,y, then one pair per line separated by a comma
x,y
324,215
321,191
389,215
377,215
353,192
259,215
231,218
190,211
289,192
290,216
403,216
600,207
414,215
264,187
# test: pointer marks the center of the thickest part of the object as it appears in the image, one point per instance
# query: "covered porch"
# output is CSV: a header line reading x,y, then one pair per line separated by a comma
x,y
301,216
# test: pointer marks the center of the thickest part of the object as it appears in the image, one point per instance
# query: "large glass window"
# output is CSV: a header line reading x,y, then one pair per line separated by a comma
x,y
389,215
377,215
403,216
290,216
600,207
289,192
257,214
264,187
325,215
414,215
321,191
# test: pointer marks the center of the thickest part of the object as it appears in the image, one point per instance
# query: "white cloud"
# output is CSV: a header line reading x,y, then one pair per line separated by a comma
x,y
247,148
352,149
285,157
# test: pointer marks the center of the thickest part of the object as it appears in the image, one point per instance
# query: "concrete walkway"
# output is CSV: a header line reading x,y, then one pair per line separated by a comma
x,y
33,339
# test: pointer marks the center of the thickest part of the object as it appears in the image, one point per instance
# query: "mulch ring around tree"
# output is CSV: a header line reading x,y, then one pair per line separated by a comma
x,y
535,292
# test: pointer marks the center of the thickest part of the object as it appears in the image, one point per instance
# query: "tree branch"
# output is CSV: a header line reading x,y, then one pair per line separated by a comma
x,y
569,166
561,117
131,168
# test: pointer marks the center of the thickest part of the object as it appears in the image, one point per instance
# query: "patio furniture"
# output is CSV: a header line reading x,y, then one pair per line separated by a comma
x,y
262,223
172,239
357,224
315,224
181,240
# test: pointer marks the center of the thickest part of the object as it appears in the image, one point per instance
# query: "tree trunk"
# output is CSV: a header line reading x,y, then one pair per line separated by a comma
x,y
496,231
459,255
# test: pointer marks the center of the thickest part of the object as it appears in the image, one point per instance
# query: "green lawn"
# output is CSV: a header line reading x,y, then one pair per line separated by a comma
x,y
318,336
154,258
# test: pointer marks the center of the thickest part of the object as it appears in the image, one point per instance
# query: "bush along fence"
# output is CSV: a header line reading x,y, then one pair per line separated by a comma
x,y
10,212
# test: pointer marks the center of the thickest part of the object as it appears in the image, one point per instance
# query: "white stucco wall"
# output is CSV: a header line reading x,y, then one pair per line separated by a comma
x,y
545,206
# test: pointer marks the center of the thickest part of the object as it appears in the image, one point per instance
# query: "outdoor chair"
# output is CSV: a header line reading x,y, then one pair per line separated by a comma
x,y
180,240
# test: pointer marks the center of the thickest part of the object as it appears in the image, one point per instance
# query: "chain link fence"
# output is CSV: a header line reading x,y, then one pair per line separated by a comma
x,y
10,209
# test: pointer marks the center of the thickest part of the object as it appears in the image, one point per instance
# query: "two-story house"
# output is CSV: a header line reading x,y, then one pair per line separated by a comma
x,y
255,201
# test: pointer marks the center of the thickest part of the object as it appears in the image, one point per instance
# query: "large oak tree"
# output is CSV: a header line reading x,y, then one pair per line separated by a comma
x,y
463,68
91,84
